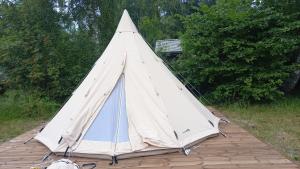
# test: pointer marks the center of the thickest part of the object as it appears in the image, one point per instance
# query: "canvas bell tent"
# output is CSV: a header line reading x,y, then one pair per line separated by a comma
x,y
130,104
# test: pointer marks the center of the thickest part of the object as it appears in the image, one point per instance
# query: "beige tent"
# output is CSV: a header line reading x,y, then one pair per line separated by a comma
x,y
129,105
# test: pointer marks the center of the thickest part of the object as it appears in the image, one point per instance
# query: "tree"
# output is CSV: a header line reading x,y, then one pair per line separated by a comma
x,y
160,19
39,51
236,52
284,6
28,43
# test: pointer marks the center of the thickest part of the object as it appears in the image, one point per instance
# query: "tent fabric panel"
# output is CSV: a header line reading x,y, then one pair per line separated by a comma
x,y
97,95
103,147
88,94
145,109
187,118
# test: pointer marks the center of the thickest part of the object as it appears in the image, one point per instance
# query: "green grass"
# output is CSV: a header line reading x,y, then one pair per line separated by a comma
x,y
277,123
21,111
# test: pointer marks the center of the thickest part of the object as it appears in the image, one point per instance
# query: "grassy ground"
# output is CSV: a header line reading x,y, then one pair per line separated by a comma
x,y
277,123
21,111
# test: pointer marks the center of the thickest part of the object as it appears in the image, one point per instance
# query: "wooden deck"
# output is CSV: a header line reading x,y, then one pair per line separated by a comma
x,y
238,150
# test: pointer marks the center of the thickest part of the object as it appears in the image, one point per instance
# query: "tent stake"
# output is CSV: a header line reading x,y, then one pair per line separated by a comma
x,y
47,156
223,134
28,140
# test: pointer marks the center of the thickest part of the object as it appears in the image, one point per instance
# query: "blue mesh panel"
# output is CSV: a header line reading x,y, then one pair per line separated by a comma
x,y
111,123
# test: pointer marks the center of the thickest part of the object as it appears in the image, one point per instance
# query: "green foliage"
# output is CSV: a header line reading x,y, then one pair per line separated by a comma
x,y
234,51
28,50
287,7
231,50
36,52
28,41
50,45
18,104
150,27
96,18
159,19
21,111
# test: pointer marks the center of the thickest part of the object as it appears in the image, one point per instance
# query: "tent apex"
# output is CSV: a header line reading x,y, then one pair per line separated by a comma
x,y
126,24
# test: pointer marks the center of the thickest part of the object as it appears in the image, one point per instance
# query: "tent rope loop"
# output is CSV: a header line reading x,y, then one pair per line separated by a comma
x,y
225,120
176,135
186,151
65,154
211,123
114,160
59,141
78,137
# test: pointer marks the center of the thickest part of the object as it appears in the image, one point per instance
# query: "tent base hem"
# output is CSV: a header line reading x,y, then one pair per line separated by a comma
x,y
137,153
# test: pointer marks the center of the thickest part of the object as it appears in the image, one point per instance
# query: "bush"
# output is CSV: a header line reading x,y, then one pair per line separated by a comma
x,y
17,104
235,51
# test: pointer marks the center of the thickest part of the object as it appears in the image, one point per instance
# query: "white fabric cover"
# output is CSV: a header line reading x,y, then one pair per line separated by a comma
x,y
161,112
63,164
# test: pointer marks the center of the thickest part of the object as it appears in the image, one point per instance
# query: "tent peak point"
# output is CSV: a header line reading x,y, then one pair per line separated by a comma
x,y
126,24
